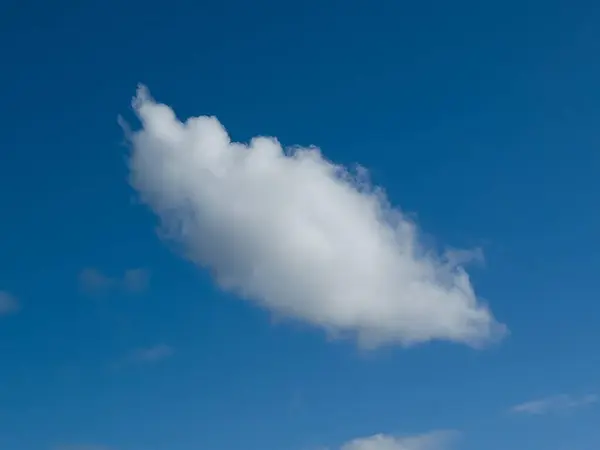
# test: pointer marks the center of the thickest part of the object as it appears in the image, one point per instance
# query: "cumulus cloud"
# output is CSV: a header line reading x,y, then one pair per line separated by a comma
x,y
437,440
93,281
299,235
554,404
8,304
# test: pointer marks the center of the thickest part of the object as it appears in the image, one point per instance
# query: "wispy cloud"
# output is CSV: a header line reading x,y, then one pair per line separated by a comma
x,y
436,440
8,303
301,236
94,281
554,404
151,354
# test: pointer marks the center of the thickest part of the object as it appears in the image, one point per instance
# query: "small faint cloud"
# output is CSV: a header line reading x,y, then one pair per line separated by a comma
x,y
136,280
151,354
435,440
8,304
93,281
554,404
143,356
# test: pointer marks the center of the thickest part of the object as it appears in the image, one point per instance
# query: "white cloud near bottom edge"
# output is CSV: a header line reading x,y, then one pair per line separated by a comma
x,y
298,235
436,440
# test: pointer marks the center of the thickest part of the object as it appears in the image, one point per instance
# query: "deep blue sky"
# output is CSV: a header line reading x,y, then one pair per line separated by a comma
x,y
481,118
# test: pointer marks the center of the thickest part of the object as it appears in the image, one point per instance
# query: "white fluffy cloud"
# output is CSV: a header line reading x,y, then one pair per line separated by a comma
x,y
557,403
437,440
299,235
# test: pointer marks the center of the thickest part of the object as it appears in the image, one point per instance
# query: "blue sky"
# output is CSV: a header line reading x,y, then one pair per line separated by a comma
x,y
277,308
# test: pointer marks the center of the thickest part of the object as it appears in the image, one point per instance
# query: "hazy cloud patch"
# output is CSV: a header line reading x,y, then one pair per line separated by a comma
x,y
94,281
151,354
8,304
